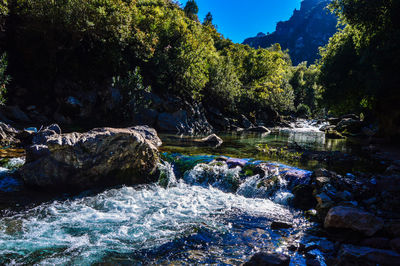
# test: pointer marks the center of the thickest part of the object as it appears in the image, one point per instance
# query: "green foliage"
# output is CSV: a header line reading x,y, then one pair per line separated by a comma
x,y
3,8
224,87
264,74
4,78
359,65
133,93
80,41
76,45
282,154
304,81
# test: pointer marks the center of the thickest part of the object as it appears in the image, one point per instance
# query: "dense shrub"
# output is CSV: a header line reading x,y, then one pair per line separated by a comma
x,y
133,93
304,81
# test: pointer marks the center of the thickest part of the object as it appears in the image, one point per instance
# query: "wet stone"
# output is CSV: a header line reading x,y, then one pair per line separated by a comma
x,y
321,181
352,218
267,259
280,225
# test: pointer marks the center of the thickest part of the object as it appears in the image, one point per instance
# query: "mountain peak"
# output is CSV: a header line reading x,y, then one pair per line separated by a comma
x,y
306,30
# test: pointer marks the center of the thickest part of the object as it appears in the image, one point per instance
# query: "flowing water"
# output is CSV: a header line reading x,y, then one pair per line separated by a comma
x,y
205,210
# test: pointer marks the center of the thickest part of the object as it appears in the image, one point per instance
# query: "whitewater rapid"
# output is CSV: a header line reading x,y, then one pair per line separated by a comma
x,y
85,230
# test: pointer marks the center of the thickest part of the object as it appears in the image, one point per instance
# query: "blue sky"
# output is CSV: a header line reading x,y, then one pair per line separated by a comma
x,y
240,19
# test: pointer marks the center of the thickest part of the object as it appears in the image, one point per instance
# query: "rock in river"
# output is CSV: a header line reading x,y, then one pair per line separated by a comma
x,y
99,157
268,259
352,218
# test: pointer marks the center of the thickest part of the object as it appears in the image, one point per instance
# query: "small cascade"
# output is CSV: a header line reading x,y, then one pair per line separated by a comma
x,y
167,176
217,174
271,186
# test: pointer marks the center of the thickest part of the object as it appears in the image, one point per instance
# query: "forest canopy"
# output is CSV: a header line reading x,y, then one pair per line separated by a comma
x,y
360,65
80,45
61,47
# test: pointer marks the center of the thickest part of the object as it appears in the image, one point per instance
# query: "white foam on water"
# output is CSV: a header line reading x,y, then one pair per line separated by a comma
x,y
82,231
218,175
283,197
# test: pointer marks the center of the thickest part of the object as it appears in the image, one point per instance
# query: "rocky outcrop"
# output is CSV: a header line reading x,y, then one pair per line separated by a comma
x,y
307,30
102,156
352,218
174,115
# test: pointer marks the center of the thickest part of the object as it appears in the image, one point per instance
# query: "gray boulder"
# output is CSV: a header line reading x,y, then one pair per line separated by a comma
x,y
211,140
355,219
102,156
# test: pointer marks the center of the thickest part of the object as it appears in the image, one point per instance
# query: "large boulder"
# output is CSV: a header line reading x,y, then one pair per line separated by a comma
x,y
350,125
102,156
352,218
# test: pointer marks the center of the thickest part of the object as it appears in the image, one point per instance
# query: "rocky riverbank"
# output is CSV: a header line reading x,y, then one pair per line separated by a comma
x,y
357,213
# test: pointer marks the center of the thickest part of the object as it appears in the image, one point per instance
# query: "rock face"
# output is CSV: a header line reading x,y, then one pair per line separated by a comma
x,y
307,29
352,218
99,157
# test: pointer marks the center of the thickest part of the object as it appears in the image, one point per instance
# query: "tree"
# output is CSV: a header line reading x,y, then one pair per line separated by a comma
x,y
304,81
208,19
359,65
191,9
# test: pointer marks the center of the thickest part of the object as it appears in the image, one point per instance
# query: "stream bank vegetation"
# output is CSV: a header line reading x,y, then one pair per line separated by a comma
x,y
81,48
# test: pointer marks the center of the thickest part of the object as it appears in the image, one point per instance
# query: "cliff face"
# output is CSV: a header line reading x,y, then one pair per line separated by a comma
x,y
307,29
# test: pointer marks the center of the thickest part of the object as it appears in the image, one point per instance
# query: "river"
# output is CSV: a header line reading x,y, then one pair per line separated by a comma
x,y
208,211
